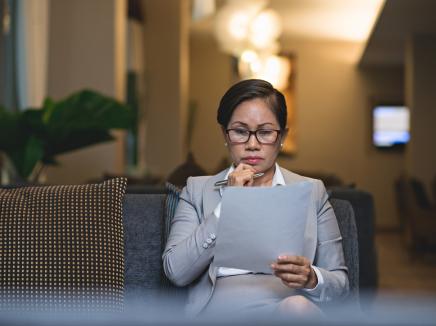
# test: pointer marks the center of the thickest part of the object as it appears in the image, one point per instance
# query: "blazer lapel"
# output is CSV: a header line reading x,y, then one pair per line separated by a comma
x,y
291,177
211,194
211,198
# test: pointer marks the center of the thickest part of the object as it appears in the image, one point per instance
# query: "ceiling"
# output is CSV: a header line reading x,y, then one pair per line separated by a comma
x,y
398,20
349,20
384,25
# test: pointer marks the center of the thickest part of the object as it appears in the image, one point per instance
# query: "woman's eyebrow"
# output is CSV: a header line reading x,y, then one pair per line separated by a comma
x,y
239,123
264,124
246,125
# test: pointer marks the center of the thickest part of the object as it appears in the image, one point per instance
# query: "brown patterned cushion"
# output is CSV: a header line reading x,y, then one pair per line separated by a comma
x,y
62,247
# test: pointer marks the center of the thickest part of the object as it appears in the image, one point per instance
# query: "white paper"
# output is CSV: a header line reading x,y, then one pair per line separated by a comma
x,y
257,224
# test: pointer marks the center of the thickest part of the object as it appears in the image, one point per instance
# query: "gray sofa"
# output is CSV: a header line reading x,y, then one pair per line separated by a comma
x,y
364,213
144,232
145,217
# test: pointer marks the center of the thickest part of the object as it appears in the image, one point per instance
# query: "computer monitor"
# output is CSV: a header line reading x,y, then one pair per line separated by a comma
x,y
391,124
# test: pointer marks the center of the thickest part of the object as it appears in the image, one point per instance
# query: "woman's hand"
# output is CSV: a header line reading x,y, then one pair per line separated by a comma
x,y
295,272
241,176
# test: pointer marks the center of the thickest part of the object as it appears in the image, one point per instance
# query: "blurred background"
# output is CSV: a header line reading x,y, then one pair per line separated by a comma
x,y
359,77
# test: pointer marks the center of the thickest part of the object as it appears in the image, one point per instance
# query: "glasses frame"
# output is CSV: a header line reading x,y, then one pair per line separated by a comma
x,y
254,132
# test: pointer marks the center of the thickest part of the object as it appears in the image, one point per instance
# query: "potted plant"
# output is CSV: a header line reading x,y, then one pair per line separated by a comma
x,y
33,138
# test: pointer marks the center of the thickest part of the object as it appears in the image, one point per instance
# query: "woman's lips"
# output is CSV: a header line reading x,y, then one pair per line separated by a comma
x,y
252,159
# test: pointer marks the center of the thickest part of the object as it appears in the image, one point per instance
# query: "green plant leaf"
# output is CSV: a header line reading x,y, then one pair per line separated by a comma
x,y
25,158
32,120
47,108
78,139
21,138
12,131
82,119
88,109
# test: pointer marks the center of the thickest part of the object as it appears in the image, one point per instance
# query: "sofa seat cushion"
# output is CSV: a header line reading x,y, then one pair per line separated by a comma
x,y
62,247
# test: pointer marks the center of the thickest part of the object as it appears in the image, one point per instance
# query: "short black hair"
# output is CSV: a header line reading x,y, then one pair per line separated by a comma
x,y
250,89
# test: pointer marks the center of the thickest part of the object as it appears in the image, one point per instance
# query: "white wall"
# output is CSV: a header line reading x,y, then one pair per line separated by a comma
x,y
333,112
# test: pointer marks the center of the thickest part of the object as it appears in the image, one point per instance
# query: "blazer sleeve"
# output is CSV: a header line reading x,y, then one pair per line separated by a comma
x,y
329,256
189,249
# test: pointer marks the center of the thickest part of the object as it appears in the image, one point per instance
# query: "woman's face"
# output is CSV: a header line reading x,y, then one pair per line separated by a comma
x,y
253,115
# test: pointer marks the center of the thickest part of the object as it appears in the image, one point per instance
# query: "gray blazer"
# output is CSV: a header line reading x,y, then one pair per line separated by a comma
x,y
190,247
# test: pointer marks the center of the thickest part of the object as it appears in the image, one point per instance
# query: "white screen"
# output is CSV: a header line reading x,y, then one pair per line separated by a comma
x,y
391,125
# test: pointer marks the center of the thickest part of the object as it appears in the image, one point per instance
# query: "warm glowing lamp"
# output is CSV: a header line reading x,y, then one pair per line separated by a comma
x,y
232,25
274,69
265,28
249,32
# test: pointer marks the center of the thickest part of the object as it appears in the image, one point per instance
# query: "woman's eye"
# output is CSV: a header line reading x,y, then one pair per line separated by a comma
x,y
241,131
265,132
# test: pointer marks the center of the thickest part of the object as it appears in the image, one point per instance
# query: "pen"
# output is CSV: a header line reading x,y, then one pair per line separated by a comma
x,y
224,182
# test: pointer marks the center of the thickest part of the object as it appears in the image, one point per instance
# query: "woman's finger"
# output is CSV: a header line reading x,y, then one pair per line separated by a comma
x,y
243,166
290,259
241,181
241,178
292,285
291,268
293,278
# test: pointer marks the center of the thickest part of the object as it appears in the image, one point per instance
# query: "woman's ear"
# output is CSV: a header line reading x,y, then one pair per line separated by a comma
x,y
224,135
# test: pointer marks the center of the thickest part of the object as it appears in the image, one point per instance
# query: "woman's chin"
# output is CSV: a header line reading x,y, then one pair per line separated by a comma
x,y
257,167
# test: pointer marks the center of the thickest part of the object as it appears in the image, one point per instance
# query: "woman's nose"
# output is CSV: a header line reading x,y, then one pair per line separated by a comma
x,y
252,142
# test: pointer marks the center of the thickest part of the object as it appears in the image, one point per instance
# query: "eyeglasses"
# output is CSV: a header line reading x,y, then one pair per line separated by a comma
x,y
263,136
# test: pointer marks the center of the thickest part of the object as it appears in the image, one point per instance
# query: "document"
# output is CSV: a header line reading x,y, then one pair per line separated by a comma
x,y
257,224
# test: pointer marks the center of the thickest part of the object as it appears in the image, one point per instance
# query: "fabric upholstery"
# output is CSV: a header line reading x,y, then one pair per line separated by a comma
x,y
363,206
345,216
143,226
62,248
147,218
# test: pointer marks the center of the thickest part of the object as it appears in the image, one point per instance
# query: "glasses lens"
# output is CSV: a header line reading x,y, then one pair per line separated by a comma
x,y
266,136
238,135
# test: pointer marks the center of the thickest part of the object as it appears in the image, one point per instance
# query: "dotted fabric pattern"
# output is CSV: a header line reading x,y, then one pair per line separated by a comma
x,y
62,247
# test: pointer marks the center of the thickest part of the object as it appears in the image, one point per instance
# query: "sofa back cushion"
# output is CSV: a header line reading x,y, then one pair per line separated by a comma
x,y
347,225
364,213
61,247
143,232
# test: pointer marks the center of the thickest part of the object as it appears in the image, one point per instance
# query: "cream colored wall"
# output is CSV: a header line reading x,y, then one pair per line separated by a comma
x,y
333,115
86,51
334,120
421,98
167,82
210,76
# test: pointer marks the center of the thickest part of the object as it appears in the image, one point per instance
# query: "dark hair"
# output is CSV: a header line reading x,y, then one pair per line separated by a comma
x,y
247,90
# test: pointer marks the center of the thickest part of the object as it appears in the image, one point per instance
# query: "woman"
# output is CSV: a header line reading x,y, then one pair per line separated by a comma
x,y
252,115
